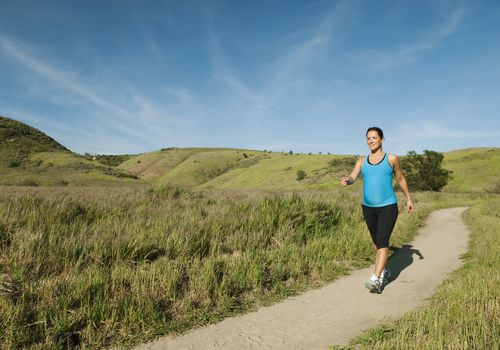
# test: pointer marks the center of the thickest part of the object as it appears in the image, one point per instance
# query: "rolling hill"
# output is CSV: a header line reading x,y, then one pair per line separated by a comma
x,y
474,170
29,157
238,168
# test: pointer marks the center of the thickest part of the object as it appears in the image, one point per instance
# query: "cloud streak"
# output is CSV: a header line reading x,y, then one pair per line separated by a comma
x,y
118,117
407,54
288,73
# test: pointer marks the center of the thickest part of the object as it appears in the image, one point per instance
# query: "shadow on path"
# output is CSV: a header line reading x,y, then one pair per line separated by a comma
x,y
401,259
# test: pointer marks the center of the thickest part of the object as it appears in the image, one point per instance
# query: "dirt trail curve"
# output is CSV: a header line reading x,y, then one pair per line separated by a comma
x,y
341,310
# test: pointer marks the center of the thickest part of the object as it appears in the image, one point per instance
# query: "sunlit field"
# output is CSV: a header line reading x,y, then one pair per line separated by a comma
x,y
92,267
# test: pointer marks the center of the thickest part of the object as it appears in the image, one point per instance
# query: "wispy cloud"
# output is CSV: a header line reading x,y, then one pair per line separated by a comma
x,y
289,71
135,119
73,136
409,53
291,65
58,76
434,129
224,73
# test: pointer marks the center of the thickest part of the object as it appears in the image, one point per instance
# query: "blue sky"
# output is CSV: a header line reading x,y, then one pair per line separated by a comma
x,y
308,76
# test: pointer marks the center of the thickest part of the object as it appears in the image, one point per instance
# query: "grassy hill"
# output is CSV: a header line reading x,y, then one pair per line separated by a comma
x,y
155,165
18,141
29,157
238,168
474,170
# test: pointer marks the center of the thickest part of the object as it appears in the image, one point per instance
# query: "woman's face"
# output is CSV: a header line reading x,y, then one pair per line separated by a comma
x,y
373,140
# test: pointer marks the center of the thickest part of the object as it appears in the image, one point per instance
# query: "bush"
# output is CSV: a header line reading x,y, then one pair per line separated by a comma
x,y
301,175
423,172
28,182
346,162
111,159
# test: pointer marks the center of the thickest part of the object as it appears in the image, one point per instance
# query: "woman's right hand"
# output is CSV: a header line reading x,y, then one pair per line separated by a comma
x,y
345,181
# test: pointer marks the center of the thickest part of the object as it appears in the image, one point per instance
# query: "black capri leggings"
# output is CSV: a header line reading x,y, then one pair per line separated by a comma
x,y
380,222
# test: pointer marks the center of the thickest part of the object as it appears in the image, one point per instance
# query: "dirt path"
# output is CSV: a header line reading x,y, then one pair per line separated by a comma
x,y
341,310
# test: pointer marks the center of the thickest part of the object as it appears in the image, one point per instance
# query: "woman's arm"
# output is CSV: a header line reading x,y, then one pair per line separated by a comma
x,y
354,174
400,178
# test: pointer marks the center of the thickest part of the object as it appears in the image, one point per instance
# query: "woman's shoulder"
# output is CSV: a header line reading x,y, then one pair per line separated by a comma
x,y
392,158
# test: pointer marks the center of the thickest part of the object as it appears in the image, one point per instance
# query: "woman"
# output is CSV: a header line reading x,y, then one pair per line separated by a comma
x,y
380,208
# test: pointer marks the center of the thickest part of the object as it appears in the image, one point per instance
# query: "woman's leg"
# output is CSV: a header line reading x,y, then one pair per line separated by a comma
x,y
385,224
370,215
381,260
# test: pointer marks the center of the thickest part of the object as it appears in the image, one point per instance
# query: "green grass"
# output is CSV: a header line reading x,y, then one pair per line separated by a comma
x,y
153,165
279,172
200,167
90,268
474,170
94,268
118,262
63,169
465,311
21,147
175,164
237,169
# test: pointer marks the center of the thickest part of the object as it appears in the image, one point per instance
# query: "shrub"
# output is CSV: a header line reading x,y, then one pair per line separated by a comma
x,y
423,172
28,183
301,175
346,162
111,159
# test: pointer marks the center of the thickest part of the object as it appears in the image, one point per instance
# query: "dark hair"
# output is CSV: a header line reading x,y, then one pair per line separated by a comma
x,y
377,129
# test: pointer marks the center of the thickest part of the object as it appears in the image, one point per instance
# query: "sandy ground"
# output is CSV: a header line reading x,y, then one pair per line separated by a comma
x,y
343,309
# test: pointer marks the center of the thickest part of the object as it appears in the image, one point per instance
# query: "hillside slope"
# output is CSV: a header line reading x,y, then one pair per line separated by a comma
x,y
29,157
474,170
239,168
190,166
18,141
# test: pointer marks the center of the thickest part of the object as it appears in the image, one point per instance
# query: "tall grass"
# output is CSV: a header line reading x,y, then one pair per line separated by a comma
x,y
465,311
88,268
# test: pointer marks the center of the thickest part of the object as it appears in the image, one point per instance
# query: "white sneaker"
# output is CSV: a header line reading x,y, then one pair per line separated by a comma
x,y
386,274
374,284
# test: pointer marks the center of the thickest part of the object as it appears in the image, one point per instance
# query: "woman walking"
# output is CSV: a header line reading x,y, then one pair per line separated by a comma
x,y
380,208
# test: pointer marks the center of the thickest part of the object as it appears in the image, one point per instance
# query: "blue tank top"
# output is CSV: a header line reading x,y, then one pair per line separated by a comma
x,y
377,183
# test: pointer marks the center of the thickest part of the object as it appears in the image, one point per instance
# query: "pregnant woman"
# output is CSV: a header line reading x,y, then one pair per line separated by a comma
x,y
380,207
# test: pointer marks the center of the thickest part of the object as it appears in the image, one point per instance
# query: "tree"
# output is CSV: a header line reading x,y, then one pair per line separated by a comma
x,y
301,175
423,172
